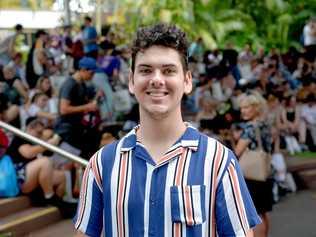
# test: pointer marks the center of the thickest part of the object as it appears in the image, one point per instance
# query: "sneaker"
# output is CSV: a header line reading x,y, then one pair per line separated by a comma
x,y
67,210
303,147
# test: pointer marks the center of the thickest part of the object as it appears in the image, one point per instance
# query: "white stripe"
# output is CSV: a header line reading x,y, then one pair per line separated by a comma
x,y
128,187
242,204
150,170
196,196
231,207
223,164
181,207
99,161
86,215
185,182
207,178
114,177
169,183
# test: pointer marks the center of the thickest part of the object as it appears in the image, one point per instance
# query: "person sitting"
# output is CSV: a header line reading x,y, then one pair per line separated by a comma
x,y
292,124
33,170
39,108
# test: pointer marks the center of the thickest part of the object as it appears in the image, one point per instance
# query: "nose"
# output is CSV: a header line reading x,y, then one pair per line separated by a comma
x,y
157,79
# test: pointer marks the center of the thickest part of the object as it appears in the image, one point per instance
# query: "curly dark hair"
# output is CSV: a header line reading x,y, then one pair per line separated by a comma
x,y
163,35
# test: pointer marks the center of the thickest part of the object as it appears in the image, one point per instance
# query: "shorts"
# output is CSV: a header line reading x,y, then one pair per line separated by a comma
x,y
20,172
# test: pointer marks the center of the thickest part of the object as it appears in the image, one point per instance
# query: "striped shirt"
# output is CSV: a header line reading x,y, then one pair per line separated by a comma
x,y
195,189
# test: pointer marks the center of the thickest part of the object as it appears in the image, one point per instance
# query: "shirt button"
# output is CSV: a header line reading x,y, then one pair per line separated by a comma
x,y
151,232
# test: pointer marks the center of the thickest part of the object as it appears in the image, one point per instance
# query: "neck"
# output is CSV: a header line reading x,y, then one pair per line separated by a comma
x,y
77,77
160,134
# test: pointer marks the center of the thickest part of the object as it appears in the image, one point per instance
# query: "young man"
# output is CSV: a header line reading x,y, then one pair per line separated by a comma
x,y
164,178
74,104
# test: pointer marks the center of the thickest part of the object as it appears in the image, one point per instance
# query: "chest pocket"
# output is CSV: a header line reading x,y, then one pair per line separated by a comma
x,y
188,204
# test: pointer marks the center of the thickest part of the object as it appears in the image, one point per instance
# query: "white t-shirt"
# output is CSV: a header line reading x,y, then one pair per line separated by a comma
x,y
309,36
309,114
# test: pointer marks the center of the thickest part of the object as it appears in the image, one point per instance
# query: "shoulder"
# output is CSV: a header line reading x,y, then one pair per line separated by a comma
x,y
221,158
68,84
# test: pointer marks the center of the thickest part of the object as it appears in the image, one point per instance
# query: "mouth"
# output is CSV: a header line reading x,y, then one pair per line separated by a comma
x,y
157,93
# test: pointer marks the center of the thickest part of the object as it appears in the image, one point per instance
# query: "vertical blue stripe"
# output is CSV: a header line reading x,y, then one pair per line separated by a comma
x,y
157,194
108,157
94,226
175,205
224,227
136,198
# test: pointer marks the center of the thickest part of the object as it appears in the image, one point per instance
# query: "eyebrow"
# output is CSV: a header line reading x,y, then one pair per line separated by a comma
x,y
163,65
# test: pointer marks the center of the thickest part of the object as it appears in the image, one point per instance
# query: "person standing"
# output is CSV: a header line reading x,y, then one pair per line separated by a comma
x,y
163,178
74,104
90,37
7,45
252,106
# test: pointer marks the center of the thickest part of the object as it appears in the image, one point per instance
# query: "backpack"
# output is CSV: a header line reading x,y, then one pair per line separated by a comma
x,y
8,178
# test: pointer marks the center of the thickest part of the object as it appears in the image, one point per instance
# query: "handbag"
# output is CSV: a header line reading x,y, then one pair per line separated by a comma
x,y
8,178
256,164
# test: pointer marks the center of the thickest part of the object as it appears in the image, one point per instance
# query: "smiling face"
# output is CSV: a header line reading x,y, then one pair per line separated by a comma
x,y
159,82
248,111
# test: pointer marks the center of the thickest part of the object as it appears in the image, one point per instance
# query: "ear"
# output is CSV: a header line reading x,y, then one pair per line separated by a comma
x,y
187,82
131,82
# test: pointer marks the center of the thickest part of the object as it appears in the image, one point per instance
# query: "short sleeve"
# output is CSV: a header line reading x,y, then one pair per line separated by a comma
x,y
66,89
235,211
33,110
89,217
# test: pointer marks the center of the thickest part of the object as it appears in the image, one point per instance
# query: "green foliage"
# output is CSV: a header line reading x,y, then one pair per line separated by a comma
x,y
268,23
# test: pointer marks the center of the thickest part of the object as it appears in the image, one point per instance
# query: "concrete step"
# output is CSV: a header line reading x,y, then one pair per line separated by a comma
x,y
61,228
10,205
309,178
23,222
295,164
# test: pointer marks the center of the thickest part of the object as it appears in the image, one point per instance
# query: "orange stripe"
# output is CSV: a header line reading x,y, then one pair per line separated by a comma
x,y
177,229
180,169
122,183
188,207
96,171
83,193
170,155
238,195
179,172
214,184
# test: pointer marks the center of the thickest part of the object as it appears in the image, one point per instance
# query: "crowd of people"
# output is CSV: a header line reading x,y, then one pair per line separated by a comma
x,y
72,91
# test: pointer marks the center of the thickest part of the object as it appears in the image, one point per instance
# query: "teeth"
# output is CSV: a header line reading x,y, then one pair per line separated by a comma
x,y
157,93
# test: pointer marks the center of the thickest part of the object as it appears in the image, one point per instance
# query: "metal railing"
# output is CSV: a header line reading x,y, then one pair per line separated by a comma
x,y
40,142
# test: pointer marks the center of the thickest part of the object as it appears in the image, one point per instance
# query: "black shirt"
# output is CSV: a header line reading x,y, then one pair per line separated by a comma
x,y
13,151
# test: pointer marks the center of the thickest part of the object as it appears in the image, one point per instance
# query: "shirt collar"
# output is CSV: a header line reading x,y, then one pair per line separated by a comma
x,y
190,139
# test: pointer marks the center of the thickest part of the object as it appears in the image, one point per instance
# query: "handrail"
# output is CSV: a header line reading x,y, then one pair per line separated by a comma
x,y
48,146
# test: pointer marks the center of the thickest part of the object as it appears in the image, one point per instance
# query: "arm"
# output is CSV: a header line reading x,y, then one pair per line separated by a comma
x,y
66,108
241,146
47,115
232,193
250,233
89,218
80,234
21,89
30,151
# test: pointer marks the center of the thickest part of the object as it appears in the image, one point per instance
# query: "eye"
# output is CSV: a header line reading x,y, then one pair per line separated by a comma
x,y
169,71
145,70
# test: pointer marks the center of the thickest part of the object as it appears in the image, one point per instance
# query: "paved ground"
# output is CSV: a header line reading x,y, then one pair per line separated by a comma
x,y
295,215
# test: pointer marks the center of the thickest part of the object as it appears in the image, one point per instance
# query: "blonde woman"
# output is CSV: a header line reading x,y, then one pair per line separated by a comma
x,y
253,111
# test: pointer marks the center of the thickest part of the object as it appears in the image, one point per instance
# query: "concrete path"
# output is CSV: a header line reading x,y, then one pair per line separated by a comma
x,y
295,215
